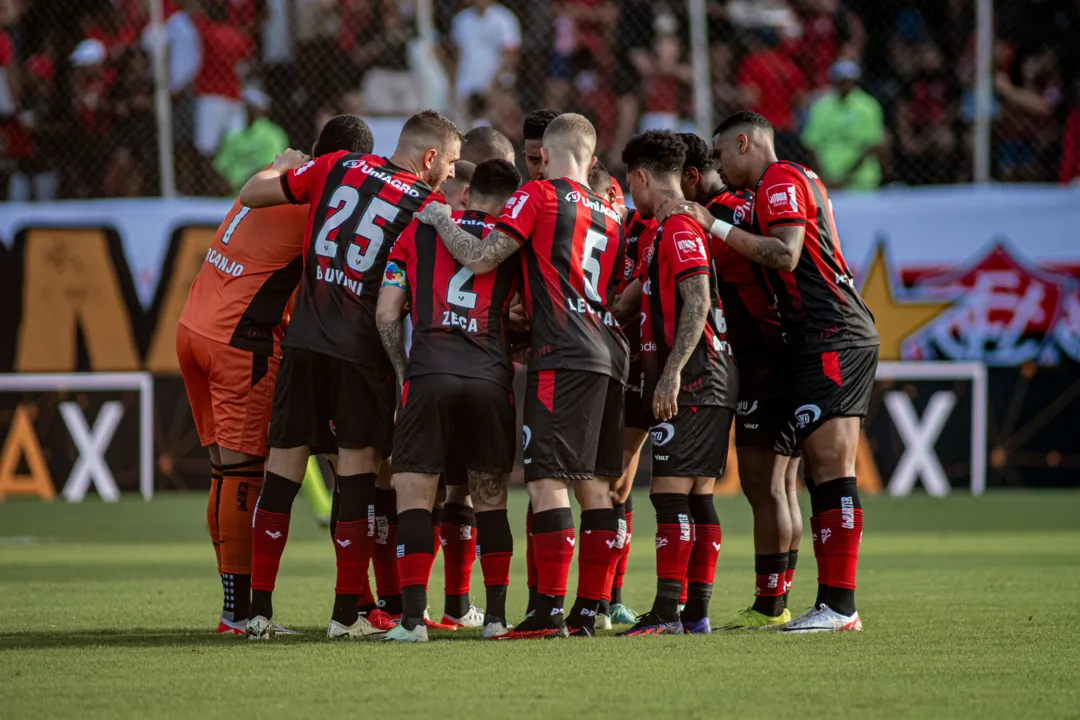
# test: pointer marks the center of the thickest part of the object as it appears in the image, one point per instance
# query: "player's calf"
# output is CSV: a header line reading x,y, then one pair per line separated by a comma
x,y
240,487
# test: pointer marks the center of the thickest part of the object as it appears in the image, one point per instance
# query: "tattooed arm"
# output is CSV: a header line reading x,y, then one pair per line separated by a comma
x,y
780,249
388,314
479,255
695,296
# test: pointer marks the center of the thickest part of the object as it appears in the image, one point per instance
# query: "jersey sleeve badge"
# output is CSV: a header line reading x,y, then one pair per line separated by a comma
x,y
394,276
782,199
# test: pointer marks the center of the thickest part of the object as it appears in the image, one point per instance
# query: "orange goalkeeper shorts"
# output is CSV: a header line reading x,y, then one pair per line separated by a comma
x,y
230,391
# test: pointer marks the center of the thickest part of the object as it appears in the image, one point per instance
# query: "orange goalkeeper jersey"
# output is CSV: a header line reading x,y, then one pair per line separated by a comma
x,y
242,293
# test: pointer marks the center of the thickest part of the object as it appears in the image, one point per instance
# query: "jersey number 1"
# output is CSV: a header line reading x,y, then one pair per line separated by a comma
x,y
343,202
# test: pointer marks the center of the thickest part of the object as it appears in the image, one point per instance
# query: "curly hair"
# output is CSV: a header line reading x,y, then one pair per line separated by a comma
x,y
698,153
657,151
536,123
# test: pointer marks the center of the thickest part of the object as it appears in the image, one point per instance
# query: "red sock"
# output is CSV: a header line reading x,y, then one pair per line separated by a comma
x,y
366,598
415,568
269,533
789,576
673,547
599,553
554,539
459,553
819,551
703,556
530,550
353,556
841,533
384,558
624,556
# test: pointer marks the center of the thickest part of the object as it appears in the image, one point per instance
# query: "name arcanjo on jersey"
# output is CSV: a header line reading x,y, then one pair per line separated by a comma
x,y
224,264
386,177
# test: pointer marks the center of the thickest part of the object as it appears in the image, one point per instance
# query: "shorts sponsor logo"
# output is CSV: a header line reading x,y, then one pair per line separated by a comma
x,y
807,415
516,203
662,434
688,247
750,426
782,198
526,437
745,407
847,513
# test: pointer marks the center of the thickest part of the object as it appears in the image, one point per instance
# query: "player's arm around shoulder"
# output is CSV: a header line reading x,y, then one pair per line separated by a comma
x,y
479,255
270,187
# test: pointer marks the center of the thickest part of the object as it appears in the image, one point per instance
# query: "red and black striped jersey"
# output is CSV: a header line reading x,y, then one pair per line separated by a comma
x,y
680,251
820,309
633,227
572,255
752,322
460,320
359,205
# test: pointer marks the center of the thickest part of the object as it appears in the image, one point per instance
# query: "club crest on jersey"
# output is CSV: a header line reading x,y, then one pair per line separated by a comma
x,y
741,214
782,198
516,203
689,247
573,196
662,434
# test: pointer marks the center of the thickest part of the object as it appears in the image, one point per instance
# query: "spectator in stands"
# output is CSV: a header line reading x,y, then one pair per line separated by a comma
x,y
88,131
633,44
382,53
1029,131
485,40
665,78
1070,146
218,107
244,152
579,26
829,31
772,85
925,119
845,132
132,170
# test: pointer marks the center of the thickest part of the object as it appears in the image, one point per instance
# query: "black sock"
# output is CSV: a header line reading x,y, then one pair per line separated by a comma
x,y
616,596
278,493
391,604
415,541
792,561
335,508
583,614
666,604
550,606
357,492
493,537
277,496
237,604
456,605
629,504
770,566
413,605
604,608
534,596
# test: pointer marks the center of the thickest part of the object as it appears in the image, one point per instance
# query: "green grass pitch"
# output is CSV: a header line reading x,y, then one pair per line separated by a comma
x,y
970,608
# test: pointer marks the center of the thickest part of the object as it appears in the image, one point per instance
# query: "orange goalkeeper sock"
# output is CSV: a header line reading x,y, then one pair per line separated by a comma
x,y
240,487
212,511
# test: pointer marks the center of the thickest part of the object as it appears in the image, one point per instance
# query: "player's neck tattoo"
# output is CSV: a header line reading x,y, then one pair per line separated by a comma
x,y
671,200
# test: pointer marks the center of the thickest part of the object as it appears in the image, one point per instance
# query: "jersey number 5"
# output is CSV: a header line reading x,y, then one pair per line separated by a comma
x,y
457,293
595,243
360,256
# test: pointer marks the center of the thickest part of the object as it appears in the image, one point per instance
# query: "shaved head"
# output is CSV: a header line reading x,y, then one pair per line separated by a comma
x,y
571,134
486,143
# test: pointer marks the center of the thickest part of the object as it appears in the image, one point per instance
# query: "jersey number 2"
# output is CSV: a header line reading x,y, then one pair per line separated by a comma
x,y
456,292
590,263
343,202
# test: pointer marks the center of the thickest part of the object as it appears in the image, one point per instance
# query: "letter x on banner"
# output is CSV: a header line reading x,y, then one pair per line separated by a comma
x,y
92,442
919,461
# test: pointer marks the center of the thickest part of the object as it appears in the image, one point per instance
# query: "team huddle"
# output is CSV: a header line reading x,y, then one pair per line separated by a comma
x,y
371,309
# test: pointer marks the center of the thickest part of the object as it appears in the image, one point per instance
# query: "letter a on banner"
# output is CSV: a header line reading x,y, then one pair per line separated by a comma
x,y
22,442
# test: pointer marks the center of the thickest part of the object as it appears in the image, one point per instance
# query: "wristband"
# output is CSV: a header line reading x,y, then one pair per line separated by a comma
x,y
720,228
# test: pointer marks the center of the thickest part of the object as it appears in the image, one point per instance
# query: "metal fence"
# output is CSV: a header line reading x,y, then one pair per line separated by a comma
x,y
121,98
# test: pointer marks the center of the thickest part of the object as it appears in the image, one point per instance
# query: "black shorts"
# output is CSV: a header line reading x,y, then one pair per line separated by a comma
x,y
573,425
328,403
452,423
830,385
637,415
694,443
763,417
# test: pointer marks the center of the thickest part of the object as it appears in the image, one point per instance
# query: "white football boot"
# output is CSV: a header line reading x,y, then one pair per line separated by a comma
x,y
472,619
823,619
358,630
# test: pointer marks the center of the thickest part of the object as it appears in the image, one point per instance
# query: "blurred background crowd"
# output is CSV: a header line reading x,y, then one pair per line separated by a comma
x,y
867,92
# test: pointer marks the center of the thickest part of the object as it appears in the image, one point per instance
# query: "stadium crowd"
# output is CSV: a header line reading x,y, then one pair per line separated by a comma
x,y
868,91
